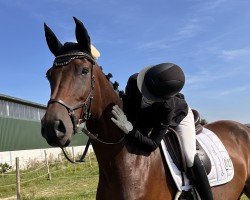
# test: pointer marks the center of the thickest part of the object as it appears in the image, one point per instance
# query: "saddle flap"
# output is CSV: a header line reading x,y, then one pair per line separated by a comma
x,y
203,157
176,152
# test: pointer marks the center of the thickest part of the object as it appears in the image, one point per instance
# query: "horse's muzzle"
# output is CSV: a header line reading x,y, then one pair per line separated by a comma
x,y
54,131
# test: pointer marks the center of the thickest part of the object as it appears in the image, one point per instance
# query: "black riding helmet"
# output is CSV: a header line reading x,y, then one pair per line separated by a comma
x,y
160,82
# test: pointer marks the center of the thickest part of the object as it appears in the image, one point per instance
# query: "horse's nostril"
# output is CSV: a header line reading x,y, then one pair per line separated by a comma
x,y
59,128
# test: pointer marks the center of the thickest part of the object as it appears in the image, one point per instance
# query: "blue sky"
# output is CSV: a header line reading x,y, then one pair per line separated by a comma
x,y
209,39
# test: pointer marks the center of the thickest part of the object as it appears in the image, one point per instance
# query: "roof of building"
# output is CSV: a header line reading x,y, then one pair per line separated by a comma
x,y
21,101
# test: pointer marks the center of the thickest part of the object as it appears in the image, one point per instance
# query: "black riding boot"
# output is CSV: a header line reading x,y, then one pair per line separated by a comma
x,y
200,180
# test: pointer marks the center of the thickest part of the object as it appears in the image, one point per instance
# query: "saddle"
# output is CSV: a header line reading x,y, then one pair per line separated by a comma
x,y
174,147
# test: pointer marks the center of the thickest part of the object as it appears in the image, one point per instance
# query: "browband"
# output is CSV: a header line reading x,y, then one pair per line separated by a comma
x,y
67,58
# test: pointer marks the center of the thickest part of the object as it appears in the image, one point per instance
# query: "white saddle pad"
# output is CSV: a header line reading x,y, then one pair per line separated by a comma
x,y
222,170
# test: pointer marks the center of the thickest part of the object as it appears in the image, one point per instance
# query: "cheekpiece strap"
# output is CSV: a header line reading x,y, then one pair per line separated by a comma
x,y
67,58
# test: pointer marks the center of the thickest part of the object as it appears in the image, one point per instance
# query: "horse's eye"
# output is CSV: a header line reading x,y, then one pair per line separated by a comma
x,y
85,71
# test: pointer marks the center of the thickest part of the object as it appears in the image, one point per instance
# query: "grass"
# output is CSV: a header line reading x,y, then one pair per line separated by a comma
x,y
69,182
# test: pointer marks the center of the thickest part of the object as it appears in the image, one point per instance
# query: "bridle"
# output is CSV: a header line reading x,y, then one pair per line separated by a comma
x,y
85,115
86,105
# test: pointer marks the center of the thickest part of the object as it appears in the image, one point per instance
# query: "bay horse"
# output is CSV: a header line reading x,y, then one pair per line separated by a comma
x,y
80,91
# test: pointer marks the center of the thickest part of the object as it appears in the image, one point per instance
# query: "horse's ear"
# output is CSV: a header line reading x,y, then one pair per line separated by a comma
x,y
53,43
82,36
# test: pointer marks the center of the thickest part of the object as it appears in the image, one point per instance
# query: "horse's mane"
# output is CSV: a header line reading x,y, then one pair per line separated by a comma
x,y
114,84
247,125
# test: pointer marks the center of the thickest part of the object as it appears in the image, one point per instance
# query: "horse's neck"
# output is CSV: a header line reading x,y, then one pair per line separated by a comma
x,y
121,165
125,172
108,155
100,124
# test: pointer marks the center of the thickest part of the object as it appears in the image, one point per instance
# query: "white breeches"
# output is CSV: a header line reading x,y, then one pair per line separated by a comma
x,y
186,130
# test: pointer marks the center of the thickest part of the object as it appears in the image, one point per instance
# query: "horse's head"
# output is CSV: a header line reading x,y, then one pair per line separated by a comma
x,y
71,80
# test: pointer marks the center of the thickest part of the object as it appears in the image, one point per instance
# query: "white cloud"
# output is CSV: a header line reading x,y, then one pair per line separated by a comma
x,y
208,76
190,29
157,44
215,3
235,90
235,54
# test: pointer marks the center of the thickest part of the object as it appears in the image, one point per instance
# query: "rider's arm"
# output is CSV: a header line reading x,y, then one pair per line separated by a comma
x,y
149,143
163,115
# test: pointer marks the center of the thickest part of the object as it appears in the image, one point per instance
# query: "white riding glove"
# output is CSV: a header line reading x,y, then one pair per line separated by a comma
x,y
121,120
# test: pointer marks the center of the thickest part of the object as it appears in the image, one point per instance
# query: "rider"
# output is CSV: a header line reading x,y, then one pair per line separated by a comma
x,y
152,97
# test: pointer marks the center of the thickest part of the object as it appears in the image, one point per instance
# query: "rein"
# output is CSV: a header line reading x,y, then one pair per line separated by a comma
x,y
86,105
93,137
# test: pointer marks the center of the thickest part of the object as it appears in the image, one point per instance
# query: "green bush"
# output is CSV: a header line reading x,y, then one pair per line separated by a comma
x,y
4,167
